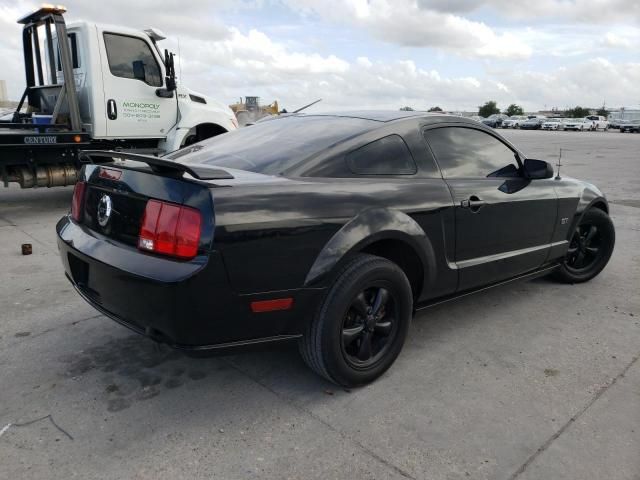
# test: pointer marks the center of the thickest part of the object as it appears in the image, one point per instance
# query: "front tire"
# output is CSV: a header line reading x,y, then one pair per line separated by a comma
x,y
590,248
362,323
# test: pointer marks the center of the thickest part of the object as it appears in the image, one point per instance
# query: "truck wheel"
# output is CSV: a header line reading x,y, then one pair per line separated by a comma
x,y
362,323
201,132
590,248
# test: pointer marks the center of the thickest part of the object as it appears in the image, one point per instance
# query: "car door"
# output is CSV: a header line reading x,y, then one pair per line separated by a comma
x,y
132,74
504,222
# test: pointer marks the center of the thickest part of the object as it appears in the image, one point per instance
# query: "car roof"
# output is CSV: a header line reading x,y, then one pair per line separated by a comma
x,y
385,116
375,115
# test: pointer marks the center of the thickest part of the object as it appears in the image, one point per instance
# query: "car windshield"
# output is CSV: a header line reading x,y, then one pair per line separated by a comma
x,y
273,146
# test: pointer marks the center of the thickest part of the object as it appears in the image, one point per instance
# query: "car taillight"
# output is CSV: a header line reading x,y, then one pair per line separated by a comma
x,y
170,229
78,200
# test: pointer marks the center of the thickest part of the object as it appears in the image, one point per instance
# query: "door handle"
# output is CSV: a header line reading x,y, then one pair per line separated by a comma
x,y
473,203
112,109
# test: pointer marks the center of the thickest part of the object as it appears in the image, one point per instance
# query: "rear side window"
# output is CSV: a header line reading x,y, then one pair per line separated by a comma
x,y
272,146
126,54
386,156
73,47
470,153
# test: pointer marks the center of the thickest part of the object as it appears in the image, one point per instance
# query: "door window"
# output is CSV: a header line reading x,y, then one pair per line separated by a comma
x,y
131,57
470,153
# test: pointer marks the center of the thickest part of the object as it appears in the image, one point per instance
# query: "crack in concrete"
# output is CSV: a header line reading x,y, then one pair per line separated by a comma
x,y
46,417
9,223
291,402
572,420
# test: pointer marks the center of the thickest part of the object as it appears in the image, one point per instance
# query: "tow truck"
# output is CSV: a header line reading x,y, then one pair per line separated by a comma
x,y
105,88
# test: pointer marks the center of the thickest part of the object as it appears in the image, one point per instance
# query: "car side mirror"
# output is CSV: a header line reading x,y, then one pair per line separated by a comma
x,y
138,70
537,169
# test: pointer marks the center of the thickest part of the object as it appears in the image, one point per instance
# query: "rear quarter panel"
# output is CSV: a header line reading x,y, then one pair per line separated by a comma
x,y
271,235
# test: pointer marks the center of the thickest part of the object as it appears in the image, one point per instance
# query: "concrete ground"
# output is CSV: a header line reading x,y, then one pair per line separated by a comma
x,y
535,380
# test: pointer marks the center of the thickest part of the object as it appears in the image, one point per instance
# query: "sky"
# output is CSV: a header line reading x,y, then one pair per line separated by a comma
x,y
364,54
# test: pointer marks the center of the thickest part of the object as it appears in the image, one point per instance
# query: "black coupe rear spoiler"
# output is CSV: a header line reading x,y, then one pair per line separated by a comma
x,y
160,165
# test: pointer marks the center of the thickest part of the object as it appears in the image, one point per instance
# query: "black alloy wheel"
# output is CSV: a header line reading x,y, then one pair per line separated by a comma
x,y
590,248
368,327
361,324
585,248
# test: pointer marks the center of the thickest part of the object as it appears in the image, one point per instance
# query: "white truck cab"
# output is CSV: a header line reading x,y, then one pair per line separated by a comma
x,y
121,78
124,96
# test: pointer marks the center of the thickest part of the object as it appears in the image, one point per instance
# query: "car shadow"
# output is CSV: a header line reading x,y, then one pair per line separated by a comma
x,y
133,369
44,199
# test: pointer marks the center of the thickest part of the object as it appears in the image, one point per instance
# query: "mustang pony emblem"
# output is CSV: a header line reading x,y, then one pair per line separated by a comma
x,y
104,210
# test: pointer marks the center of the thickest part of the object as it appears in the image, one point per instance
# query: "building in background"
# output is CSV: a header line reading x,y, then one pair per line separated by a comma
x,y
5,103
624,113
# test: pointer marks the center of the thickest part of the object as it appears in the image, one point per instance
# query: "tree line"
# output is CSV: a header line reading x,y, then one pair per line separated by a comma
x,y
491,108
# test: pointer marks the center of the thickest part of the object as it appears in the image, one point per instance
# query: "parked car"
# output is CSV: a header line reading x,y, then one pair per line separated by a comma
x,y
578,124
514,121
495,120
630,126
598,122
330,230
533,123
553,124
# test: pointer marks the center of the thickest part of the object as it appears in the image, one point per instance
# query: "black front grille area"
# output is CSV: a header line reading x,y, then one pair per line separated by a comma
x,y
124,222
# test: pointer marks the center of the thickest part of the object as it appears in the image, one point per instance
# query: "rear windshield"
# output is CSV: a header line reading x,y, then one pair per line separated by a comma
x,y
273,146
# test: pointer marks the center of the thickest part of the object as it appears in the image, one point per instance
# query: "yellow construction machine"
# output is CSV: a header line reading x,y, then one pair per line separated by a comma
x,y
250,111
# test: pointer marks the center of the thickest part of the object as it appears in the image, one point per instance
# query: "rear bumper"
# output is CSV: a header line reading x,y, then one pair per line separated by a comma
x,y
187,305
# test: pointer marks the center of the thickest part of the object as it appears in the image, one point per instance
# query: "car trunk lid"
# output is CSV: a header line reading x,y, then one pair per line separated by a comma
x,y
117,195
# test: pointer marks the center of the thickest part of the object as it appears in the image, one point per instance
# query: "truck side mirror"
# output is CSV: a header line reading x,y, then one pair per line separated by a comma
x,y
138,70
171,71
169,79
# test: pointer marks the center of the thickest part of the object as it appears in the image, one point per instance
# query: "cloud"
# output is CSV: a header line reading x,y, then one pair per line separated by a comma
x,y
616,41
256,52
406,23
585,11
227,59
368,83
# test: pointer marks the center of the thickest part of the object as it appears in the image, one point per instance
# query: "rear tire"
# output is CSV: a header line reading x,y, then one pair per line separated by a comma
x,y
590,248
362,323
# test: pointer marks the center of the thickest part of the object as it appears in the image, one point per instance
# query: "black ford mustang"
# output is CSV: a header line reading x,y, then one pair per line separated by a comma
x,y
329,229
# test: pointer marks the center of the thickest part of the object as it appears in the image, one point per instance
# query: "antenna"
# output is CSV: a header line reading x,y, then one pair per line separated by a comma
x,y
179,59
559,164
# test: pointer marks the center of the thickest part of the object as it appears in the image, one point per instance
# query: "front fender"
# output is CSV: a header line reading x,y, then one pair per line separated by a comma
x,y
575,197
589,197
366,228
